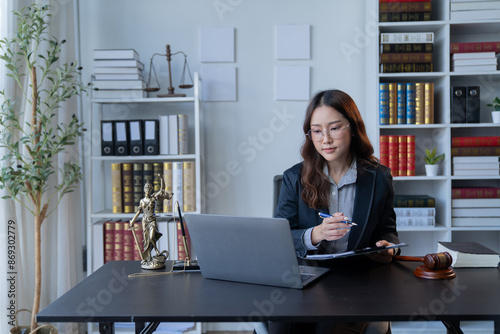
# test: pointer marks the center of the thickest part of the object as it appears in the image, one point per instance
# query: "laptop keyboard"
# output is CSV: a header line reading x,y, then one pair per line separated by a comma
x,y
306,276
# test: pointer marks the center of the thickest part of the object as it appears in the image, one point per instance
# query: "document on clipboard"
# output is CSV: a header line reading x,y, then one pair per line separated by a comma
x,y
355,252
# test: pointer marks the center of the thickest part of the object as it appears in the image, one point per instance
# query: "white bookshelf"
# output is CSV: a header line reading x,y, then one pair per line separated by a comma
x,y
424,240
98,174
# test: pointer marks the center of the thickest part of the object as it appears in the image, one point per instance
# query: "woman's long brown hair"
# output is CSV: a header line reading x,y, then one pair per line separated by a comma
x,y
316,190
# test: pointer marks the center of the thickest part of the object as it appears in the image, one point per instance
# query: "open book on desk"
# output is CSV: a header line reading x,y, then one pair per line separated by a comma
x,y
355,252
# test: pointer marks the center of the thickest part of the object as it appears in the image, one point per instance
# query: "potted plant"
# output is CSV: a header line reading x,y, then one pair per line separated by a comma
x,y
495,114
431,159
32,149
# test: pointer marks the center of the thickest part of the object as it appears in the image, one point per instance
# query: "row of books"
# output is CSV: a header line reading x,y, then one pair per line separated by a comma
x,y
415,210
396,11
415,216
406,103
118,74
474,61
414,201
406,52
475,211
465,104
120,244
128,180
474,10
168,135
476,166
475,146
398,153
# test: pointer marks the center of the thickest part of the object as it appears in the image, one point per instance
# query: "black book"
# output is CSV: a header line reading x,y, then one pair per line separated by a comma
x,y
121,137
469,254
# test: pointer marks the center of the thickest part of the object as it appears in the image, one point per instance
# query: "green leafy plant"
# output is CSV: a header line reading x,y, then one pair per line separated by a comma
x,y
32,148
431,157
495,104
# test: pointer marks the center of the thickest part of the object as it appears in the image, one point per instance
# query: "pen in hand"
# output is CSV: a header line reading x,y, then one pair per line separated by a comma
x,y
348,222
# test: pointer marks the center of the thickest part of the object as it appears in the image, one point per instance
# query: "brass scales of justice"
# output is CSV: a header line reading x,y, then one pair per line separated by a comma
x,y
185,71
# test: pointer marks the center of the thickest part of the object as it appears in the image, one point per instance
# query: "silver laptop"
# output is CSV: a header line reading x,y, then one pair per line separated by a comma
x,y
249,250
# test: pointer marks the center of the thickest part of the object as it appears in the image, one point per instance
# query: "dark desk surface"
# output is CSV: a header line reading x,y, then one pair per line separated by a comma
x,y
385,292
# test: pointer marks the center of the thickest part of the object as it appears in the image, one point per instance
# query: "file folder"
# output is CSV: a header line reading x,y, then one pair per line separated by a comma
x,y
458,104
121,138
136,131
107,147
151,140
472,105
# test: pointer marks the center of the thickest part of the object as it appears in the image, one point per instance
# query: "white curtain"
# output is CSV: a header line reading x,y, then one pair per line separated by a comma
x,y
62,230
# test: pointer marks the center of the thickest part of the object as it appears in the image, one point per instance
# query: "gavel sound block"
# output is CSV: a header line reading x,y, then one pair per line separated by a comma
x,y
436,265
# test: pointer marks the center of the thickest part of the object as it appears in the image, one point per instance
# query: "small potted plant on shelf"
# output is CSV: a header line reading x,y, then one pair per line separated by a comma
x,y
431,159
495,114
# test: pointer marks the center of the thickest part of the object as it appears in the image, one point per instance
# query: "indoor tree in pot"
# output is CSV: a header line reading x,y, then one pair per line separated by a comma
x,y
32,147
431,159
495,114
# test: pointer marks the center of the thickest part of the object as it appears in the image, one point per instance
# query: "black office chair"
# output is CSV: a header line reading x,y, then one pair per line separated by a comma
x,y
277,180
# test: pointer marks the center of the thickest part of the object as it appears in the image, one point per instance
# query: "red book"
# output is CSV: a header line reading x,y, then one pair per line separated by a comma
x,y
417,57
109,241
475,141
140,240
403,165
384,150
410,155
394,155
475,151
475,192
118,238
128,243
474,47
181,250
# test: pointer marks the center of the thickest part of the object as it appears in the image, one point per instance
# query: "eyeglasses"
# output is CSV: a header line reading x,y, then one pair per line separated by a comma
x,y
335,132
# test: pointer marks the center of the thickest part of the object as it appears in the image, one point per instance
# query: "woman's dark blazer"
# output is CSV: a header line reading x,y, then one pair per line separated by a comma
x,y
373,208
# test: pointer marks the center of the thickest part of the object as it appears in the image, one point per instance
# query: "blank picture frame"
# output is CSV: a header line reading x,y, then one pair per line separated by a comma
x,y
219,82
293,42
217,44
292,83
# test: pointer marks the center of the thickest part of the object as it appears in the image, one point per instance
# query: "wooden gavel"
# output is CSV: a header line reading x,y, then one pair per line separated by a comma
x,y
436,265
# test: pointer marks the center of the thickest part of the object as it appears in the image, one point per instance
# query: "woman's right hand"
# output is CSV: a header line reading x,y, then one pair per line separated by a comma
x,y
330,229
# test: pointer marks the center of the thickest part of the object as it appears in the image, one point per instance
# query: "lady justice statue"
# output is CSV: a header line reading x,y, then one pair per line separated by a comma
x,y
147,206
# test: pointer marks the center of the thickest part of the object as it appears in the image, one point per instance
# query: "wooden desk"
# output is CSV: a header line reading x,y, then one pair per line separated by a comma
x,y
381,293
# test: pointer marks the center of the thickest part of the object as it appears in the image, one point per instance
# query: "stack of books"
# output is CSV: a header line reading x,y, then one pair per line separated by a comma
x,y
398,153
415,210
118,74
406,103
461,10
406,52
476,166
404,10
478,162
476,211
475,146
474,61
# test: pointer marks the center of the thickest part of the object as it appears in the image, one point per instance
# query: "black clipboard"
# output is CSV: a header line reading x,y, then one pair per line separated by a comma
x,y
355,252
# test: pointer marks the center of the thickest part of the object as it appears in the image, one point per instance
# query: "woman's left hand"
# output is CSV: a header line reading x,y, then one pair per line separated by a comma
x,y
383,256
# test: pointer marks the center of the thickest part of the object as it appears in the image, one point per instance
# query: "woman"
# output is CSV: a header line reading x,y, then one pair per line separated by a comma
x,y
339,176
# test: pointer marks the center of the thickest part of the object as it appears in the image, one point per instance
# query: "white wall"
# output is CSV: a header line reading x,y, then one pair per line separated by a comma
x,y
337,61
